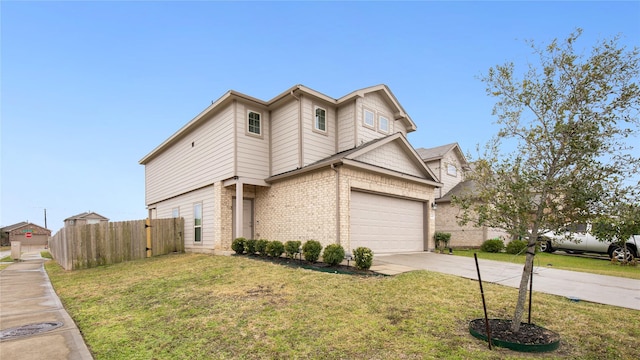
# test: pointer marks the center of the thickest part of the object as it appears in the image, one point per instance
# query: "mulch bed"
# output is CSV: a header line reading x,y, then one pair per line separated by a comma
x,y
529,334
316,266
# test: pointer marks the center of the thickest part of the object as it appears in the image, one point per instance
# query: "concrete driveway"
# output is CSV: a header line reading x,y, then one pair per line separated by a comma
x,y
602,289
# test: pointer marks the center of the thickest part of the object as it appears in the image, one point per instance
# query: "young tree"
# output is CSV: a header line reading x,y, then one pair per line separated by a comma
x,y
568,118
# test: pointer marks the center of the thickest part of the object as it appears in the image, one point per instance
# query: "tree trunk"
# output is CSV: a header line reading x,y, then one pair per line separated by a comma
x,y
524,281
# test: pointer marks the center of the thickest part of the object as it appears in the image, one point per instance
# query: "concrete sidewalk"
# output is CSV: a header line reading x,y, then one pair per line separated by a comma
x,y
579,286
27,298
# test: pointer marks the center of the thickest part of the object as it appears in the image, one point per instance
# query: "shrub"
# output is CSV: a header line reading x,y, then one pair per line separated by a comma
x,y
275,248
291,247
311,250
250,246
363,257
442,240
238,245
492,246
333,254
516,246
261,247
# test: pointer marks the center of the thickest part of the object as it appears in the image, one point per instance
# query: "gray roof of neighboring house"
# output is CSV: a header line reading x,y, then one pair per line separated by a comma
x,y
14,226
435,152
438,152
465,187
86,215
10,228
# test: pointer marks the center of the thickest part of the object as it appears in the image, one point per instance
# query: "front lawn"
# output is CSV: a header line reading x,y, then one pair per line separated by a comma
x,y
194,306
561,261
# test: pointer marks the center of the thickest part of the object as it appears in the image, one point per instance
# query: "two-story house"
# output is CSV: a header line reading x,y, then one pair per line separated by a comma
x,y
300,166
450,165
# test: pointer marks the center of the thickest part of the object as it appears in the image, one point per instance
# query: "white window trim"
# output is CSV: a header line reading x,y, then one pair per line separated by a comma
x,y
195,226
380,129
450,172
259,135
364,117
326,120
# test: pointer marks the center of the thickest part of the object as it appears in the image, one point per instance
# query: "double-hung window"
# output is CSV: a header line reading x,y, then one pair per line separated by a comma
x,y
320,119
383,124
197,222
369,118
253,123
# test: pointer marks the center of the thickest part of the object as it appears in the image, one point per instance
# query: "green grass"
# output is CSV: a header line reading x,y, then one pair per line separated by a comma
x,y
195,306
46,255
561,261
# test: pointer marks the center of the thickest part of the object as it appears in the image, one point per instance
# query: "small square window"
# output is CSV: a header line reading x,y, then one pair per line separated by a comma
x,y
383,124
175,212
452,170
320,119
254,123
369,118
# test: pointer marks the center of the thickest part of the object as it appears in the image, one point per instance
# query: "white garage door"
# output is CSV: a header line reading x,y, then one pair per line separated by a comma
x,y
386,224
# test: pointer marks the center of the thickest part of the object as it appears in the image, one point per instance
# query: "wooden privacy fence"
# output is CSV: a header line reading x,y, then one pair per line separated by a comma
x,y
85,246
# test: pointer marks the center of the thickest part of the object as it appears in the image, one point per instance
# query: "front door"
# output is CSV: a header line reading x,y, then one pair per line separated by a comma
x,y
247,219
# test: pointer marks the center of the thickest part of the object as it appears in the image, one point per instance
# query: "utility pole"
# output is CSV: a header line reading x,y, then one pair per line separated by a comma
x,y
45,218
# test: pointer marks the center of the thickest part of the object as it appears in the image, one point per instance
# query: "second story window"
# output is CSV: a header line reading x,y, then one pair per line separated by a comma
x,y
383,124
254,126
320,119
452,170
369,118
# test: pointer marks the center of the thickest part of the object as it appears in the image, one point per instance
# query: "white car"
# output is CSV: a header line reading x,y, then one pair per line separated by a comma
x,y
580,240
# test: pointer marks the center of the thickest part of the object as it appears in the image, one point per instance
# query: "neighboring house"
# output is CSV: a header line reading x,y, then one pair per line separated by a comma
x,y
450,166
27,233
300,166
85,218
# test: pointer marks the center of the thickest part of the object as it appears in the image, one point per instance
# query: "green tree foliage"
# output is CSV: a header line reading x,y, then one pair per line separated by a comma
x,y
569,119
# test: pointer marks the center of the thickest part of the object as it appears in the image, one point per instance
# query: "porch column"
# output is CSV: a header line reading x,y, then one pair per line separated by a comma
x,y
239,209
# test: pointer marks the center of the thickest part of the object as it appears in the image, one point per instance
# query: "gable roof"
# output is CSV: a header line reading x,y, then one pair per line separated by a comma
x,y
87,215
294,91
438,152
348,157
21,225
9,228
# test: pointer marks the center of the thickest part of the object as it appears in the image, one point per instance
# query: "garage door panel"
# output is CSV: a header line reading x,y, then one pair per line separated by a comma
x,y
386,224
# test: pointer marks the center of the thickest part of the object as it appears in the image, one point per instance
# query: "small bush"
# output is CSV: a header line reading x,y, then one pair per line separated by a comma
x,y
363,257
238,245
333,254
516,247
442,240
311,250
492,246
275,248
250,246
291,247
261,247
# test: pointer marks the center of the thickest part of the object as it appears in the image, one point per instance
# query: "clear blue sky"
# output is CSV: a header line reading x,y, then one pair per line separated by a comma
x,y
89,88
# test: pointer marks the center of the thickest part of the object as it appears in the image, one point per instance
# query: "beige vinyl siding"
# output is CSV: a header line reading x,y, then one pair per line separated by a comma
x,y
391,156
317,146
252,151
346,127
284,138
184,167
376,103
449,181
186,202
